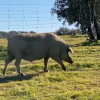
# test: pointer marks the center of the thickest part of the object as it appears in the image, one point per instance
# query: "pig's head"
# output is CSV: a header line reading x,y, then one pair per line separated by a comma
x,y
65,54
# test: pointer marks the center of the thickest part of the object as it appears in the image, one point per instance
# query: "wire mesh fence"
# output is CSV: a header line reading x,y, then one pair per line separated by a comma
x,y
28,17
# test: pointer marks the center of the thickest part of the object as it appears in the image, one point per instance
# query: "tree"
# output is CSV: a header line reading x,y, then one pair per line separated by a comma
x,y
62,31
67,31
94,17
76,11
3,34
32,32
88,20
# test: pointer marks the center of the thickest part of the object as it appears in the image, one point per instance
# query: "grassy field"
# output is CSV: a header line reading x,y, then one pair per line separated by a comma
x,y
81,81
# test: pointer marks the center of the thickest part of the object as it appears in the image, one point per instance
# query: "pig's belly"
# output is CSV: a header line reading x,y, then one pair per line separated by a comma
x,y
33,57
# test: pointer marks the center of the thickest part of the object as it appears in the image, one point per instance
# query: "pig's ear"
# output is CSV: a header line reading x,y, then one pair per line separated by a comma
x,y
70,50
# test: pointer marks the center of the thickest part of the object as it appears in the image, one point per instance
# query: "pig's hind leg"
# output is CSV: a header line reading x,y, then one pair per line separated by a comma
x,y
18,58
7,61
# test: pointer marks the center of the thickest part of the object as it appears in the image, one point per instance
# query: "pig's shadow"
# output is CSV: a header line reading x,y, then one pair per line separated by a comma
x,y
18,78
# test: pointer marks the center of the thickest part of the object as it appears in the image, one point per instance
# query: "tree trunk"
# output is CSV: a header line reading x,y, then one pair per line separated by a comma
x,y
94,17
82,18
83,28
97,28
82,25
88,20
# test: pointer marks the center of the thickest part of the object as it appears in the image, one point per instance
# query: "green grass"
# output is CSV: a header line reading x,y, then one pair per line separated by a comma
x,y
81,81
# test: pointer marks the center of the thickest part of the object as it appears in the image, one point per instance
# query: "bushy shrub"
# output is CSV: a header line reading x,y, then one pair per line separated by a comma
x,y
67,31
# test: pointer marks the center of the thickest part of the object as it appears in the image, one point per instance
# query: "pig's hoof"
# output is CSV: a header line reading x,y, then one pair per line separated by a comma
x,y
64,69
46,70
21,74
3,73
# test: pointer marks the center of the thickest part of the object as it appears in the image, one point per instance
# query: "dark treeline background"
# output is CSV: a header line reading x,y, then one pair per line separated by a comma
x,y
59,31
4,34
